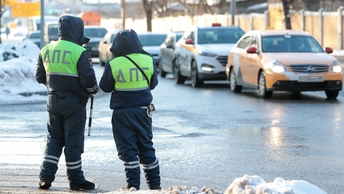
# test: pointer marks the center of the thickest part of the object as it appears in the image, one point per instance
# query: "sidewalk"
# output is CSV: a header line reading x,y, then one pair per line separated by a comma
x,y
59,188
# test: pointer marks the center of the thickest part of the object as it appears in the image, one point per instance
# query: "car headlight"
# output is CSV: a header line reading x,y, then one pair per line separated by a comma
x,y
207,54
335,67
207,68
278,67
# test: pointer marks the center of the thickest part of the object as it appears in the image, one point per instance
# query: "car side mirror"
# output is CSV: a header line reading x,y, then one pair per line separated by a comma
x,y
251,50
189,41
328,50
169,46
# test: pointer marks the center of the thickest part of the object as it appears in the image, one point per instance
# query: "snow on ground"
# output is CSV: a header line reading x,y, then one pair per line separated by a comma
x,y
17,85
17,74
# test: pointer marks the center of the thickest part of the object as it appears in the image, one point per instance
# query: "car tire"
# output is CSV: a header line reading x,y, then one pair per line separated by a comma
x,y
296,94
195,81
233,83
162,73
331,94
176,74
263,93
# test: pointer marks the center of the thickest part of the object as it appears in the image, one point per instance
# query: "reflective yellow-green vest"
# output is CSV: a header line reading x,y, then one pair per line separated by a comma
x,y
61,58
127,76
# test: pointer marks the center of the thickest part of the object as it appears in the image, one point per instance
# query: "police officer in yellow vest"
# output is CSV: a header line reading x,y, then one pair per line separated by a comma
x,y
65,67
130,76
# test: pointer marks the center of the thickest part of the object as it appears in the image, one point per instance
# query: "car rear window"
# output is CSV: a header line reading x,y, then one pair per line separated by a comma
x,y
53,29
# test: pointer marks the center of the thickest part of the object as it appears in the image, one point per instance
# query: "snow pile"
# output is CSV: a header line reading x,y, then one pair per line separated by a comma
x,y
256,185
17,67
192,190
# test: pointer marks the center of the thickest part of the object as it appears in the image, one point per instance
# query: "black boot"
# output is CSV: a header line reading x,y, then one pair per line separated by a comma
x,y
44,185
153,178
87,185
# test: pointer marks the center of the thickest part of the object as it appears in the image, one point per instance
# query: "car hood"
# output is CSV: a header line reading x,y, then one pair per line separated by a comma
x,y
219,49
152,49
300,58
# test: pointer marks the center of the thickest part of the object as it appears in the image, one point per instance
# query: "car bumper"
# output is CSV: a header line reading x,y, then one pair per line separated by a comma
x,y
210,69
212,76
290,82
93,50
306,86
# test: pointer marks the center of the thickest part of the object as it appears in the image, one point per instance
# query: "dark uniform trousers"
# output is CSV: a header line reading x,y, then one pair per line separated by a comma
x,y
132,131
66,127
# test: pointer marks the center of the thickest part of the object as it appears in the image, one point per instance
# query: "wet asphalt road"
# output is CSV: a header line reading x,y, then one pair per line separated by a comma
x,y
204,137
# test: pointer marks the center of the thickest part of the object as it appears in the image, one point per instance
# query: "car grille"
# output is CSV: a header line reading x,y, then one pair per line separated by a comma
x,y
222,60
309,68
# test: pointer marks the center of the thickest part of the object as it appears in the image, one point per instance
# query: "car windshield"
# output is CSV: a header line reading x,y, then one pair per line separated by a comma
x,y
152,39
95,32
178,36
219,35
112,37
35,35
288,43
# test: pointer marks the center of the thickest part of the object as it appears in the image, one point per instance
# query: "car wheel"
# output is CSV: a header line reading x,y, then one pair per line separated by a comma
x,y
296,94
233,83
176,74
331,94
262,86
195,81
161,72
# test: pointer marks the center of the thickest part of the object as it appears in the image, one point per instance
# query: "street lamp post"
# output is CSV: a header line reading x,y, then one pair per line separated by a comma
x,y
0,19
42,24
233,5
123,13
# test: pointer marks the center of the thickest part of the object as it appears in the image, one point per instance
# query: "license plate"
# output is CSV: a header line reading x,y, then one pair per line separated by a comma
x,y
94,48
311,79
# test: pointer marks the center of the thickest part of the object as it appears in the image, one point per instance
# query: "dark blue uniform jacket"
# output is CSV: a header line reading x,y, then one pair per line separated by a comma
x,y
80,87
124,44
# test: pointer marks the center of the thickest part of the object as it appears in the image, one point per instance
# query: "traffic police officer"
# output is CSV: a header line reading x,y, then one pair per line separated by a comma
x,y
130,76
65,67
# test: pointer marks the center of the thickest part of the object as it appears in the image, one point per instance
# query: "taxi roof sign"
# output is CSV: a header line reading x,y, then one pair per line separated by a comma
x,y
268,28
216,24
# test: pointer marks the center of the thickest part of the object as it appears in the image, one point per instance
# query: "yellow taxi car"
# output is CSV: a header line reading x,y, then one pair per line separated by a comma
x,y
283,60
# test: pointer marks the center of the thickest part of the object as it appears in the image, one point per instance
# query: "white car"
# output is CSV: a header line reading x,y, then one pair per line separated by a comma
x,y
167,56
104,46
202,53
